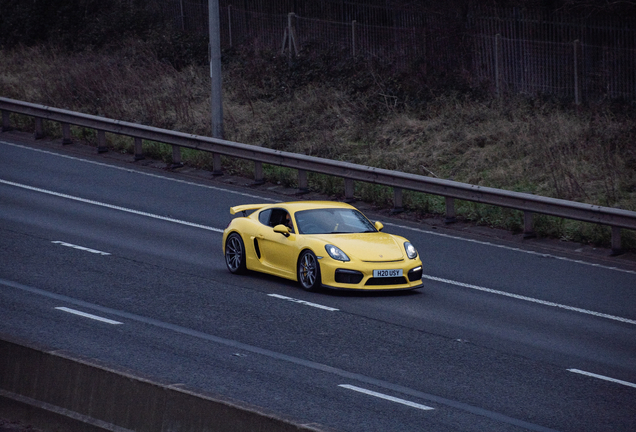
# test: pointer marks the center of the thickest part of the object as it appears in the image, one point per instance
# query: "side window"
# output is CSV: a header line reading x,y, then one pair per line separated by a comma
x,y
280,217
263,217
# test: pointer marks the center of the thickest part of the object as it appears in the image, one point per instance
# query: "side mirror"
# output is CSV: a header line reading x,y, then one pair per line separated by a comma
x,y
282,229
379,226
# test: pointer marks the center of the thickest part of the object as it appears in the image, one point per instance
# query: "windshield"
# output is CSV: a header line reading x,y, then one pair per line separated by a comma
x,y
332,221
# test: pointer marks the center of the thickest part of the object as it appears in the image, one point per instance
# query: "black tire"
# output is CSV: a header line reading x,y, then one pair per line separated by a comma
x,y
235,254
309,271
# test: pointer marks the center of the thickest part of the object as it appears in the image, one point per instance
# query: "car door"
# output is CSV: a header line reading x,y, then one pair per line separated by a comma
x,y
278,252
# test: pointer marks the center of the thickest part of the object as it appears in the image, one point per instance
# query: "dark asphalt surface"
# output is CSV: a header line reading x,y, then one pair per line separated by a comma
x,y
453,344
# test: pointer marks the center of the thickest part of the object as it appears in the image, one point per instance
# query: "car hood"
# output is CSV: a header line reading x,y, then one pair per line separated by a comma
x,y
374,247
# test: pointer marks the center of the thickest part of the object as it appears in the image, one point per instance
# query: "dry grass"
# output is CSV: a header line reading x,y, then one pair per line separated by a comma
x,y
522,145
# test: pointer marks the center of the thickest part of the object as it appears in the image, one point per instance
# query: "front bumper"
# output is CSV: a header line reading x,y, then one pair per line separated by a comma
x,y
359,276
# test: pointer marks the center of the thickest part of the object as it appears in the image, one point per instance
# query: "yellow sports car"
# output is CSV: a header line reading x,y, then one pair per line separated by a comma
x,y
320,244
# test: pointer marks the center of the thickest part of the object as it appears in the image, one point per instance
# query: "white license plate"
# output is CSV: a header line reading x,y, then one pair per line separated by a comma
x,y
387,273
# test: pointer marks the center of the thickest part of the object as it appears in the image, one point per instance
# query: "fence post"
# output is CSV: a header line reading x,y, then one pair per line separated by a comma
x,y
39,128
497,71
290,36
182,17
6,126
229,22
66,133
353,38
577,90
450,210
424,54
139,154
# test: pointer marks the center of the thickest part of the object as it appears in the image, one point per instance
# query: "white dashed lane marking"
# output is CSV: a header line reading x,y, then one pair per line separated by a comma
x,y
386,397
87,315
306,303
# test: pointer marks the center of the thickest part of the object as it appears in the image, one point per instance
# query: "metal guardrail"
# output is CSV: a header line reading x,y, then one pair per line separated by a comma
x,y
451,190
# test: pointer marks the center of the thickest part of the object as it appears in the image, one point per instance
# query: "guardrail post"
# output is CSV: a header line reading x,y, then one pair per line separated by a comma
x,y
450,210
39,128
139,154
66,133
176,157
397,200
6,126
216,165
616,242
101,142
303,186
258,173
349,187
528,225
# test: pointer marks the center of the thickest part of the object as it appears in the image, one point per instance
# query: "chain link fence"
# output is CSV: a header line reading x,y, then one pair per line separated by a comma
x,y
503,50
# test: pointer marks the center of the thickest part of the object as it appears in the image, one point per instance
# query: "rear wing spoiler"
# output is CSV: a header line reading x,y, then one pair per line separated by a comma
x,y
246,208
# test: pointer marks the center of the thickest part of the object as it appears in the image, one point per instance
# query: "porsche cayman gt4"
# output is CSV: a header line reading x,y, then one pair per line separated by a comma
x,y
319,244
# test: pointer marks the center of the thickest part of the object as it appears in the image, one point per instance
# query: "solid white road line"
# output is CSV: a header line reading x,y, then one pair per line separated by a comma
x,y
510,248
530,299
86,315
110,206
82,248
430,232
593,375
492,291
105,165
386,397
306,303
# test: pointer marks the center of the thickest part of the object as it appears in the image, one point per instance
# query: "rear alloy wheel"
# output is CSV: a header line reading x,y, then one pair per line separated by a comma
x,y
235,254
309,271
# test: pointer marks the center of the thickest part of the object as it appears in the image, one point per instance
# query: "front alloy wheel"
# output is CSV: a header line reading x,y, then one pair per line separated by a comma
x,y
309,271
235,253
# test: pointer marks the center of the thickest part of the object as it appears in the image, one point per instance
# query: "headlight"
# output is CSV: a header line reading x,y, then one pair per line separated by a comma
x,y
336,253
411,252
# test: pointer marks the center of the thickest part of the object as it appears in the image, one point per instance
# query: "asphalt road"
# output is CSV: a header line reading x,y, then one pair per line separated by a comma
x,y
504,336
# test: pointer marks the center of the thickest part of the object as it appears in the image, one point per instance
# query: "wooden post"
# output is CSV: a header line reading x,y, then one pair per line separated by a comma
x,y
450,210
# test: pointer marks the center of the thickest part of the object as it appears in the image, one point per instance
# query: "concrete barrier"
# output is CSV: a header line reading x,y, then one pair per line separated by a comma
x,y
58,391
